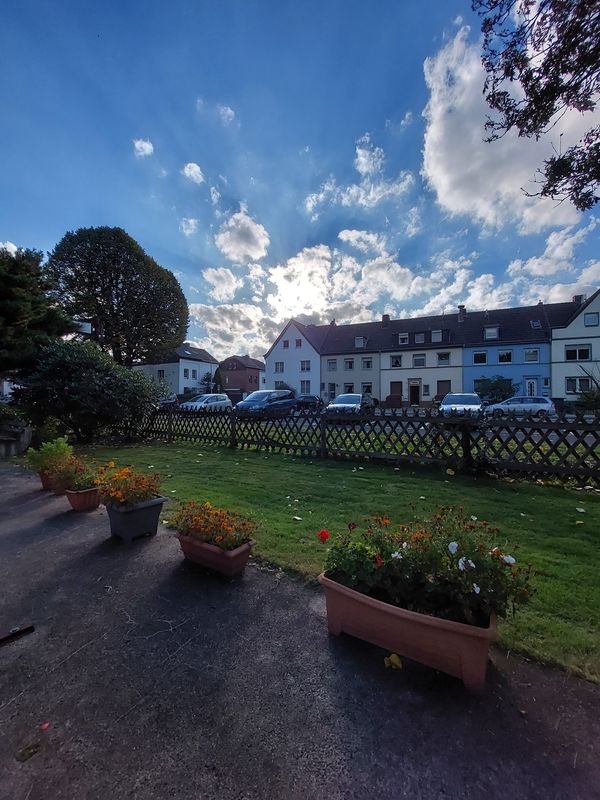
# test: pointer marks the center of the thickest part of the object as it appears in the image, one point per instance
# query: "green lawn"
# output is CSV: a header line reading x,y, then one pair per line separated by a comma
x,y
562,623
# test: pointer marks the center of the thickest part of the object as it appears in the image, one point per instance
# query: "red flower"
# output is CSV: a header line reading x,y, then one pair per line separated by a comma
x,y
352,526
323,535
378,561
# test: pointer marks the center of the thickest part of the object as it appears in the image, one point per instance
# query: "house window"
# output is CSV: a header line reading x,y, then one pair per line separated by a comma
x,y
591,319
331,391
577,353
535,324
331,364
505,357
425,390
436,336
305,387
161,374
395,362
348,387
419,338
546,383
491,332
264,380
367,388
367,363
443,360
360,341
403,338
286,344
279,366
531,356
298,342
480,358
194,374
348,363
305,366
186,373
577,385
418,359
280,384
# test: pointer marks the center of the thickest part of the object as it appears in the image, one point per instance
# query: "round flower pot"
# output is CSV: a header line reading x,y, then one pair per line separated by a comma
x,y
131,522
46,480
453,647
84,499
226,562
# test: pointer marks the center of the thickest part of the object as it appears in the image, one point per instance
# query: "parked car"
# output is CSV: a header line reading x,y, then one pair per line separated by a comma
x,y
540,406
350,404
207,402
268,402
461,404
168,400
309,402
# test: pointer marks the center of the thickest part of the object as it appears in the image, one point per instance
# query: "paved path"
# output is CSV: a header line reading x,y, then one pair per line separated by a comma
x,y
160,682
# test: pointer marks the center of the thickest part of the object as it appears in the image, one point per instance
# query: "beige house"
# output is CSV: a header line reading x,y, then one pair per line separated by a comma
x,y
576,349
418,376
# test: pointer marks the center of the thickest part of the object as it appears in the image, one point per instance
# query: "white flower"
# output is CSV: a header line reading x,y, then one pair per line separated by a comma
x,y
405,545
453,547
396,555
471,564
461,564
473,518
476,588
509,560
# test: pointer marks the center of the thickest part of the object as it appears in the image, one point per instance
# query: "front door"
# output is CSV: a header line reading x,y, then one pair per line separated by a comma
x,y
414,394
531,387
396,388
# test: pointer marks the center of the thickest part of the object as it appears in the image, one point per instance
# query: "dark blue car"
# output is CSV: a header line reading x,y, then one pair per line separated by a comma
x,y
268,403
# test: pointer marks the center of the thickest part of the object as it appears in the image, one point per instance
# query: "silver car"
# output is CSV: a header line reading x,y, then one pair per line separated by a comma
x,y
538,406
207,402
461,404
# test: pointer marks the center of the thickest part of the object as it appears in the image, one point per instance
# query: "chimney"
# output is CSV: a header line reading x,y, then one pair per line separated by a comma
x,y
578,299
540,302
385,319
462,313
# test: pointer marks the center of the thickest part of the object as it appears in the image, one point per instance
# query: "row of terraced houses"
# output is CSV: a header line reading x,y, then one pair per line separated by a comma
x,y
544,349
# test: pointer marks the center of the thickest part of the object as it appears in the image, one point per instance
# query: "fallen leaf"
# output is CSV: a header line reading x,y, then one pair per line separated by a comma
x,y
450,471
581,510
298,519
422,497
473,518
44,726
579,522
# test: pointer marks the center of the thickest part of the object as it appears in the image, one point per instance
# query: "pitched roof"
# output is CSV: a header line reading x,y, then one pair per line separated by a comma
x,y
314,334
192,353
246,361
579,307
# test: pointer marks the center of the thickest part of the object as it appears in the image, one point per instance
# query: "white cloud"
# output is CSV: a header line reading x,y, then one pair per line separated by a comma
x,y
234,328
242,239
192,172
142,147
372,188
473,177
301,283
226,114
224,284
188,226
558,254
413,224
199,104
9,246
215,195
364,241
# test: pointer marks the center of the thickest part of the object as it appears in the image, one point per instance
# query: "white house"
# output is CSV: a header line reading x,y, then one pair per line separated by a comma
x,y
294,358
184,370
575,348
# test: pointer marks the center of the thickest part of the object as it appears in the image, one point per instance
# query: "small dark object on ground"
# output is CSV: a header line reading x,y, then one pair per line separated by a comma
x,y
16,633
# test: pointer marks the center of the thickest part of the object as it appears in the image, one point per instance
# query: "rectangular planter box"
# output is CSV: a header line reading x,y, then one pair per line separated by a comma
x,y
227,562
453,647
84,499
131,522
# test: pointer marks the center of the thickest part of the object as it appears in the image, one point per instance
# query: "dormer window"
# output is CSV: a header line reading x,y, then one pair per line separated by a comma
x,y
491,332
436,336
403,338
419,338
360,341
536,324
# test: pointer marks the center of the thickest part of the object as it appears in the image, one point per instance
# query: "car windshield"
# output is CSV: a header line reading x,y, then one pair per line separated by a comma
x,y
347,399
462,400
257,397
197,398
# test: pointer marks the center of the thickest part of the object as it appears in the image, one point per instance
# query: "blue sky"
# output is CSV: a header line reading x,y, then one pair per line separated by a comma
x,y
317,159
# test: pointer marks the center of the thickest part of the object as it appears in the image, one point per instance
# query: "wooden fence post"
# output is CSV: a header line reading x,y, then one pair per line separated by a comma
x,y
323,432
170,412
233,430
465,432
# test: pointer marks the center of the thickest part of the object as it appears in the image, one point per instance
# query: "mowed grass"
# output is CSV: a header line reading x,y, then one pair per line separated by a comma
x,y
562,623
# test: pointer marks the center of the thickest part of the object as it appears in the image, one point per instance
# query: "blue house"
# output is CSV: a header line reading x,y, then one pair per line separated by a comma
x,y
513,343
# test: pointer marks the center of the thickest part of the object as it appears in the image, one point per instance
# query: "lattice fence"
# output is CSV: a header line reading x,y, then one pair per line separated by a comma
x,y
566,446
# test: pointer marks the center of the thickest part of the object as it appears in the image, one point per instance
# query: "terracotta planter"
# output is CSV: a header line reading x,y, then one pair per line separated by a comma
x,y
84,499
452,647
227,562
131,522
46,480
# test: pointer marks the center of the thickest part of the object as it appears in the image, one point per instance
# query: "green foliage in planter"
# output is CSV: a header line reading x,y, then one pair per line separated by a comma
x,y
82,387
50,456
450,565
73,473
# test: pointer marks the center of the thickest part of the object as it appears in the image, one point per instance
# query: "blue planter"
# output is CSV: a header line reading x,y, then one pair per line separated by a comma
x,y
131,522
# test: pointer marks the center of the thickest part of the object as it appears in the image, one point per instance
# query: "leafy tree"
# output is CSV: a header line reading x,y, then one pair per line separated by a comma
x,y
29,318
137,308
590,398
496,389
218,380
82,387
551,50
